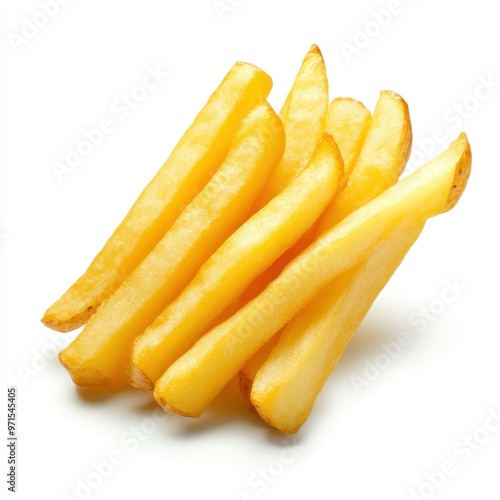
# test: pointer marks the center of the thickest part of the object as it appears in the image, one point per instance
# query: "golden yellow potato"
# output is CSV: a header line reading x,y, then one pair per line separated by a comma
x,y
303,115
383,158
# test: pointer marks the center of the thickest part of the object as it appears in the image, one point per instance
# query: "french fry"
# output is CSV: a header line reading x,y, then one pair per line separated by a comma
x,y
245,254
382,159
284,389
191,164
349,121
303,115
303,131
192,382
102,348
375,155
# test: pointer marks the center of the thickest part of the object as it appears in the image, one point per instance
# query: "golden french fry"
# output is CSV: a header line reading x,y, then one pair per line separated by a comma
x,y
284,389
192,382
245,254
382,159
374,163
303,130
102,348
349,121
303,116
191,164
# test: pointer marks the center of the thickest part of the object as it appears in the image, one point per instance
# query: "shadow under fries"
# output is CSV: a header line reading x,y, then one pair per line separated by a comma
x,y
229,407
99,394
377,328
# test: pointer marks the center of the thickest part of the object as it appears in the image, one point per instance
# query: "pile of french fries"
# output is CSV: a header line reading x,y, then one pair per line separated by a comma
x,y
257,249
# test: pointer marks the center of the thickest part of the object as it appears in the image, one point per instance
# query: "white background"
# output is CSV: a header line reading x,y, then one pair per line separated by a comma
x,y
378,442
